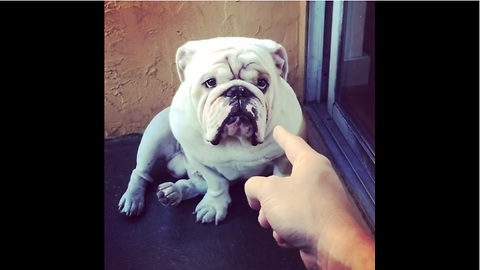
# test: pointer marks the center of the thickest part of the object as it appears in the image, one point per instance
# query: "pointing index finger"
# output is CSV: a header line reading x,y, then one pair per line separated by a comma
x,y
292,144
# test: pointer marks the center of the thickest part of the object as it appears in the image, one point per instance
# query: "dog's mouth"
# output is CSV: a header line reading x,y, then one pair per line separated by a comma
x,y
237,124
242,119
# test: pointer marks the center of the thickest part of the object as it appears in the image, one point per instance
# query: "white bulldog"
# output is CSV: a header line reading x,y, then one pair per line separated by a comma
x,y
219,126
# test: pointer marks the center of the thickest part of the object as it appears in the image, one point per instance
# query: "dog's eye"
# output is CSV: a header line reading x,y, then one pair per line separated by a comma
x,y
262,84
210,83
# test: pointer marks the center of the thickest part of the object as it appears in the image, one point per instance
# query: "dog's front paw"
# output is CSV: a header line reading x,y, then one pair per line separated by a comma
x,y
132,201
212,208
168,194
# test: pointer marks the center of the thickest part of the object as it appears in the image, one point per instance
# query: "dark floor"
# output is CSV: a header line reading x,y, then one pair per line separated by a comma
x,y
169,238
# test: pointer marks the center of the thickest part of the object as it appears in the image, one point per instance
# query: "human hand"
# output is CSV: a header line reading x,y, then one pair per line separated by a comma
x,y
308,210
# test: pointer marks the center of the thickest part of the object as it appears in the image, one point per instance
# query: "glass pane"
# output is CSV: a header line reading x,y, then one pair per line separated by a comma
x,y
356,91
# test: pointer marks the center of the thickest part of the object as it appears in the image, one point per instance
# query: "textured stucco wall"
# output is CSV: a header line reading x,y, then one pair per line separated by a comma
x,y
141,39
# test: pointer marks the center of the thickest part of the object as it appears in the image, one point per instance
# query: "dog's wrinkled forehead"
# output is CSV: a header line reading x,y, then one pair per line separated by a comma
x,y
235,60
236,52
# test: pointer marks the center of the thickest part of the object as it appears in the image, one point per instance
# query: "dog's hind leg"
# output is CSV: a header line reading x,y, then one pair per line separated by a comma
x,y
171,194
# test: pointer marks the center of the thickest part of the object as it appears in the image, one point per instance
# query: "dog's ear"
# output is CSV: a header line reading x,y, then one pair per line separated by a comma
x,y
183,57
279,54
280,58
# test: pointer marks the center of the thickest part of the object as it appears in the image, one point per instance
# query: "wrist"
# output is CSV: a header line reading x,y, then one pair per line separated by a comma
x,y
346,246
361,252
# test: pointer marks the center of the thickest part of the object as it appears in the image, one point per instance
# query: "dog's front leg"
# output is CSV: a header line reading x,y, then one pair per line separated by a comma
x,y
157,143
214,205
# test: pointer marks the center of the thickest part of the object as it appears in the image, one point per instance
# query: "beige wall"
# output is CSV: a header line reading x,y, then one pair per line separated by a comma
x,y
141,39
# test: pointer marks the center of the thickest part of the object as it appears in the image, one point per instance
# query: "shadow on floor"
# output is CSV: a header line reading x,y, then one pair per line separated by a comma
x,y
169,238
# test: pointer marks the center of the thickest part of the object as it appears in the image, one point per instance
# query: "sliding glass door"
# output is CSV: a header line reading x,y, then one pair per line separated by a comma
x,y
340,91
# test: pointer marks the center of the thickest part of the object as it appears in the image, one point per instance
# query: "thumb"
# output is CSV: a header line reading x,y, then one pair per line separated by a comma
x,y
255,188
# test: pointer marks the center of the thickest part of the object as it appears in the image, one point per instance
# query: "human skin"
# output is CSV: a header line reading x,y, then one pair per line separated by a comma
x,y
310,210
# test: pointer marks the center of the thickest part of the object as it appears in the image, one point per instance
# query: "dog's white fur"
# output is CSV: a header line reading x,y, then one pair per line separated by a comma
x,y
193,137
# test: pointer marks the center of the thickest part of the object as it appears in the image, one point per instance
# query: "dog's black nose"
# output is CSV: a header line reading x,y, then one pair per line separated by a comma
x,y
238,91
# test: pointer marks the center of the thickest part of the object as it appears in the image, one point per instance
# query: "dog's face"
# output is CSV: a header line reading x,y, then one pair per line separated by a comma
x,y
232,84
